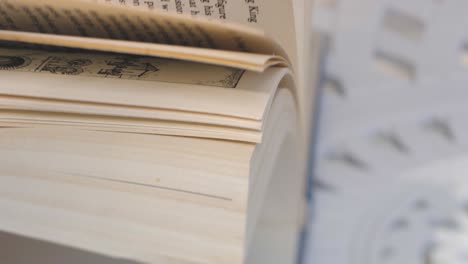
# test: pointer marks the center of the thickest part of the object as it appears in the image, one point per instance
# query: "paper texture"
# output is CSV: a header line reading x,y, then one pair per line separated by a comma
x,y
88,25
275,17
118,66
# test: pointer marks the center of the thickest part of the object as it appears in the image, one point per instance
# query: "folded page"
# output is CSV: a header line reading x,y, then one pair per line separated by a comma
x,y
87,25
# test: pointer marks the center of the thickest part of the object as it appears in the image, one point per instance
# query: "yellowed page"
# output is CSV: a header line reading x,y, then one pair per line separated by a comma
x,y
83,108
117,66
275,17
113,79
128,194
75,23
144,159
123,93
23,117
287,21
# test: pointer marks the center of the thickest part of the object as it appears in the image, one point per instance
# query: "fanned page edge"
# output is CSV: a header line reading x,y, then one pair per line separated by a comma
x,y
244,60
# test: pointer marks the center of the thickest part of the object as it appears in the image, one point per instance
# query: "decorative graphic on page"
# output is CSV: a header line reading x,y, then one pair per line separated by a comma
x,y
118,66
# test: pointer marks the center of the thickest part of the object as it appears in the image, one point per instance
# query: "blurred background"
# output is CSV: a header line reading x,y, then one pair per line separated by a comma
x,y
390,163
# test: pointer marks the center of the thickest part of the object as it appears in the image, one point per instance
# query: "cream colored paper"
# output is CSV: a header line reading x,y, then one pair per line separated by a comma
x,y
275,17
87,25
118,66
132,94
248,100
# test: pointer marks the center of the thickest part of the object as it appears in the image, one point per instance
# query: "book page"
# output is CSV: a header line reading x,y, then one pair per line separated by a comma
x,y
133,94
136,86
275,17
118,66
88,25
286,21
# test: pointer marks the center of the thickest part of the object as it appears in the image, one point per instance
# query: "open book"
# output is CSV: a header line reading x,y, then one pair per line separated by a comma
x,y
143,130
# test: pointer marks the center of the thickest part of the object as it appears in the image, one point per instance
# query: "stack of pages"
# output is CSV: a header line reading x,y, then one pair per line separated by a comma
x,y
151,136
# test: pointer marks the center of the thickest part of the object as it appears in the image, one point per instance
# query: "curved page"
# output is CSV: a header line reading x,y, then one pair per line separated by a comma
x,y
95,26
125,93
